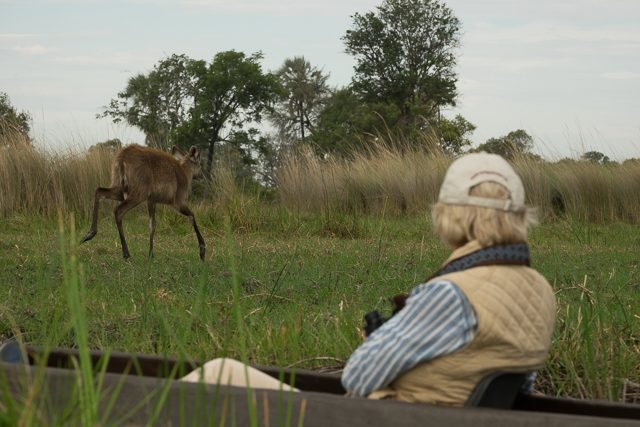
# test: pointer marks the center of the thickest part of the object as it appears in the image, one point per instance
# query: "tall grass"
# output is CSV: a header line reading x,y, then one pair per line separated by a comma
x,y
407,181
596,343
384,179
76,294
36,182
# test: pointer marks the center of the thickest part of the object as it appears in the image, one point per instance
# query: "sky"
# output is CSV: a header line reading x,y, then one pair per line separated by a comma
x,y
566,71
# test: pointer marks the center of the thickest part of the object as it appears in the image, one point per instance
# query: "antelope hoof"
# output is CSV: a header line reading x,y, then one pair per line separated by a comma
x,y
90,234
202,251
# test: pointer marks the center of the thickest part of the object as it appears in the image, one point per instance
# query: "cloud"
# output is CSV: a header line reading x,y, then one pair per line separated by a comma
x,y
118,58
15,36
548,31
621,75
279,7
510,64
31,50
23,44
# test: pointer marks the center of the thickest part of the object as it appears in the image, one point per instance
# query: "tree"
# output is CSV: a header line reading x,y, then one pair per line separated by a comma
x,y
305,93
347,122
14,126
454,134
250,155
230,93
596,157
157,103
191,102
112,145
405,55
515,143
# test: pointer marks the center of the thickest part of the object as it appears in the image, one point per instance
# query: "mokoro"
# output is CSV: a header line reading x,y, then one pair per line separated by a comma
x,y
139,388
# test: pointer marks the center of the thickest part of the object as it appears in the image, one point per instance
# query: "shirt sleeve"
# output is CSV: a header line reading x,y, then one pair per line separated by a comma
x,y
527,387
437,320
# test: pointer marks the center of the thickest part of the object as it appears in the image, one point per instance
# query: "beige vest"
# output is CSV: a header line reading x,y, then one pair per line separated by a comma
x,y
515,309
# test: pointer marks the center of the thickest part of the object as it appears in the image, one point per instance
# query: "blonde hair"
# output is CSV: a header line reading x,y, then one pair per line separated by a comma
x,y
458,224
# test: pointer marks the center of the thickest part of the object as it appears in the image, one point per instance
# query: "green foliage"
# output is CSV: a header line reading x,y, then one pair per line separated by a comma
x,y
454,134
305,92
347,123
14,125
404,74
191,102
515,143
156,103
596,157
112,145
404,55
230,93
249,154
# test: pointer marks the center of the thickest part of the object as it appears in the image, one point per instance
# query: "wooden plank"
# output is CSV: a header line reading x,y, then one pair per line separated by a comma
x,y
137,399
140,366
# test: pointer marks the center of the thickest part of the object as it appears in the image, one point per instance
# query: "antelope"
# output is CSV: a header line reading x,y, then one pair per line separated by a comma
x,y
141,174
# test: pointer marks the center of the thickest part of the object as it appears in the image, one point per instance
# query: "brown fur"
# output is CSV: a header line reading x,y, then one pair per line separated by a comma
x,y
146,174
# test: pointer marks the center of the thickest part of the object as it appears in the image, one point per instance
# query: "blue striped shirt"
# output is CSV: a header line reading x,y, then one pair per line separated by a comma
x,y
437,320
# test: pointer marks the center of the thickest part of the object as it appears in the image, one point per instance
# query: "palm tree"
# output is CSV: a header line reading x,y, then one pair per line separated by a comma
x,y
306,91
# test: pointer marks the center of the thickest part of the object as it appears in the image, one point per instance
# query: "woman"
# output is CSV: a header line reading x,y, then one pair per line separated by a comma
x,y
485,311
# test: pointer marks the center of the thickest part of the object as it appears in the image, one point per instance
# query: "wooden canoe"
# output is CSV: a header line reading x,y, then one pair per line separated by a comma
x,y
138,388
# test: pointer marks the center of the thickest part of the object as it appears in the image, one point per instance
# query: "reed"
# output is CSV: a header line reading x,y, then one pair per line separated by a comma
x,y
389,178
407,180
39,183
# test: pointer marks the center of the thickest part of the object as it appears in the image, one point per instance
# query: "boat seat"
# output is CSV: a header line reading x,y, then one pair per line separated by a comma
x,y
497,390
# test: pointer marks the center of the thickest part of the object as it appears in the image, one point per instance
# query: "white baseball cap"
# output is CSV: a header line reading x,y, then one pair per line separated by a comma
x,y
472,169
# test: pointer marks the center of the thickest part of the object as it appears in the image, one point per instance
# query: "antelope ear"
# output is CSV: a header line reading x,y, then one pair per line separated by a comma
x,y
194,152
177,153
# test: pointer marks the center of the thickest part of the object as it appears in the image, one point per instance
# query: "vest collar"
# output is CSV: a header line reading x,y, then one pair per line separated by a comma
x,y
473,255
464,250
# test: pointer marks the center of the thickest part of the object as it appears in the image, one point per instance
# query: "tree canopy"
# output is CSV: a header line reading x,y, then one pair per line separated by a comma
x,y
305,94
596,157
157,103
405,55
231,93
185,102
509,146
14,126
347,123
112,145
454,133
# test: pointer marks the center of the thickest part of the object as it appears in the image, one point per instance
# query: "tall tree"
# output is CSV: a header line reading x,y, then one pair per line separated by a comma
x,y
13,123
405,54
112,145
347,123
596,157
513,144
305,93
157,103
192,102
454,133
231,93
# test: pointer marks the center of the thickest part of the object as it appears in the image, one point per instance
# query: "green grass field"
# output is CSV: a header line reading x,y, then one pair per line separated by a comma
x,y
305,281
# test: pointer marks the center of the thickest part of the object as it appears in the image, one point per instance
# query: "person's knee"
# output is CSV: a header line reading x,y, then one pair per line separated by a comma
x,y
224,370
222,363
